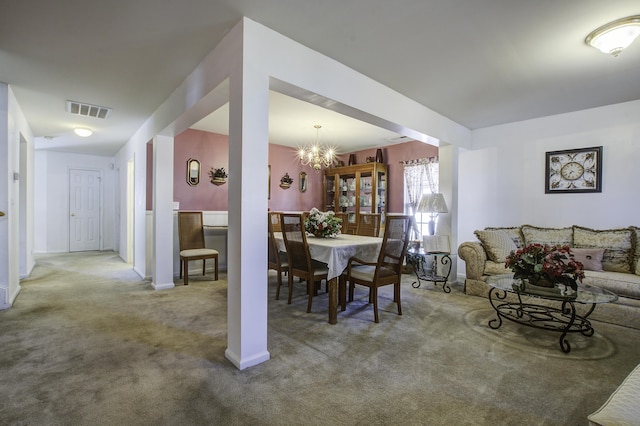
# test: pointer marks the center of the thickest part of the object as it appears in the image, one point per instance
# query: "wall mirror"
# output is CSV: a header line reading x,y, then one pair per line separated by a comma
x,y
303,181
193,172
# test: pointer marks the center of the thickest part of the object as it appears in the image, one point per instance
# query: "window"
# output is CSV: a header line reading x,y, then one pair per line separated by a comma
x,y
421,177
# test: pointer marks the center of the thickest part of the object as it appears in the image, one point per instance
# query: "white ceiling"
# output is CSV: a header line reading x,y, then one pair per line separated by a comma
x,y
479,62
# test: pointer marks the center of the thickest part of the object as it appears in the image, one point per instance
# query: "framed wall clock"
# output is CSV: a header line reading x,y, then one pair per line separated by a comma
x,y
574,170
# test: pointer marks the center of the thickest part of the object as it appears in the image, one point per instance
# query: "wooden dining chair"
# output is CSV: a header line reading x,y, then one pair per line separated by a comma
x,y
368,224
387,269
191,236
345,221
298,257
277,259
274,219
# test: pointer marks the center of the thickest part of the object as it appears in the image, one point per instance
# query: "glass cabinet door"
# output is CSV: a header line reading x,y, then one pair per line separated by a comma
x,y
330,193
348,197
366,197
381,192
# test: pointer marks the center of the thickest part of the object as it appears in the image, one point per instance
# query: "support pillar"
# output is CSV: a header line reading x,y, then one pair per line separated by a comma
x,y
248,204
162,249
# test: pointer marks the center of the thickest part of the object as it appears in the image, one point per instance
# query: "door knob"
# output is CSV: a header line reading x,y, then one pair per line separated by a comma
x,y
1,214
73,214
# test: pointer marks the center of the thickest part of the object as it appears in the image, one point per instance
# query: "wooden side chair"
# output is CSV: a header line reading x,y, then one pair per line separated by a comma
x,y
277,259
369,224
388,268
298,257
191,236
274,219
345,221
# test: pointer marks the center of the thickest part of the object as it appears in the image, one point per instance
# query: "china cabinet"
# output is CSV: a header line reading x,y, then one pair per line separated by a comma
x,y
356,189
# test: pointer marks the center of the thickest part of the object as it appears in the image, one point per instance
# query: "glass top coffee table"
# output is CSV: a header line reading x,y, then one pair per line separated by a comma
x,y
506,294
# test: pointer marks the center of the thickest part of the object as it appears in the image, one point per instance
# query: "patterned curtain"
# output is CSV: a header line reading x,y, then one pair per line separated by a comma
x,y
416,173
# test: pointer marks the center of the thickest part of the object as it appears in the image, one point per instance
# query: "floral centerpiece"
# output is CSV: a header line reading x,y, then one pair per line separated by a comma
x,y
322,224
546,266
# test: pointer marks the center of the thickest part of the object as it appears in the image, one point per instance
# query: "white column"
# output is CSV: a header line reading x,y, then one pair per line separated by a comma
x,y
247,255
162,249
448,185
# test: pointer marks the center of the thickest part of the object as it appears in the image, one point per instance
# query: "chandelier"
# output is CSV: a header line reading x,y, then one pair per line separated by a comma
x,y
315,155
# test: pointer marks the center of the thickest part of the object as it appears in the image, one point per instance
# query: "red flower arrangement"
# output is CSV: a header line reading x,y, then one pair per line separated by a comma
x,y
546,265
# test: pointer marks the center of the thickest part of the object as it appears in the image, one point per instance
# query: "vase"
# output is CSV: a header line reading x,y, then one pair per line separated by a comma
x,y
218,181
379,156
352,159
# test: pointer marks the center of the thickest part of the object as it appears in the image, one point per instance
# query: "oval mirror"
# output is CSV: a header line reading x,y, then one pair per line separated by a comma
x,y
193,171
303,181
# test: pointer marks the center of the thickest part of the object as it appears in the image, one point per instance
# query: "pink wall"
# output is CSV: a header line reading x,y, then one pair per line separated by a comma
x,y
283,160
212,150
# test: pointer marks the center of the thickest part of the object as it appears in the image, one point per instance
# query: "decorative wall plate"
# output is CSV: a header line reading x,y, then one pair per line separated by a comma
x,y
574,170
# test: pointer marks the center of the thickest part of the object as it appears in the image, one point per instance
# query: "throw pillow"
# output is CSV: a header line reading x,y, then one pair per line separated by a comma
x,y
513,232
617,245
547,236
497,244
591,259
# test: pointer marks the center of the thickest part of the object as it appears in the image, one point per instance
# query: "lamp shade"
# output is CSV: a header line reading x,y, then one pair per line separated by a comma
x,y
433,203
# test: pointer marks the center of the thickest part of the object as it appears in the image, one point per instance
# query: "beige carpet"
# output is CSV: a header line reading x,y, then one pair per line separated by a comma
x,y
89,343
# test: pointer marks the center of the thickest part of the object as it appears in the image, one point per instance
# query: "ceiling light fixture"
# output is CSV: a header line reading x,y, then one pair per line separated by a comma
x,y
316,155
614,37
85,133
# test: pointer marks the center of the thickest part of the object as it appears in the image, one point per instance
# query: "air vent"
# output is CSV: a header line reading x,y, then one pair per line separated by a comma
x,y
88,110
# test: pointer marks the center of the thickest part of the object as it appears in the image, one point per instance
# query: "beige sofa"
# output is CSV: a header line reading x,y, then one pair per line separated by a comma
x,y
611,259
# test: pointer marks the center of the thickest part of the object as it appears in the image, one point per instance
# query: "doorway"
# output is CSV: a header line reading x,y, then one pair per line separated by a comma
x,y
84,209
130,209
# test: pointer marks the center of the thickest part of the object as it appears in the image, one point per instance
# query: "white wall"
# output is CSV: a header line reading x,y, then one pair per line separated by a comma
x,y
136,151
52,199
501,181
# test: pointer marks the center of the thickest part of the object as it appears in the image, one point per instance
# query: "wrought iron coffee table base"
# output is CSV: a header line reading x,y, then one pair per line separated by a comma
x,y
563,320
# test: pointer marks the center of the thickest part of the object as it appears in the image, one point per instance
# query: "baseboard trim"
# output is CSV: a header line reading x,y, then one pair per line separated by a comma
x,y
247,362
163,286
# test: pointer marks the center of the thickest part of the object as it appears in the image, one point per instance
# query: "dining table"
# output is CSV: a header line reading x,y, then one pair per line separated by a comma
x,y
336,252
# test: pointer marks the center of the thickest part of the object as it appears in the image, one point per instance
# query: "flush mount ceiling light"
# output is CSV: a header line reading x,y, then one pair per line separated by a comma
x,y
85,133
614,37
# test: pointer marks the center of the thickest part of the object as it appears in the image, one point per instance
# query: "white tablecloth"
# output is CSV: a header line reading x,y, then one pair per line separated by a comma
x,y
336,252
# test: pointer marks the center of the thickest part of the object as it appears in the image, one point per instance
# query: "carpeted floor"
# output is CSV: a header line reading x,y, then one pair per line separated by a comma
x,y
88,343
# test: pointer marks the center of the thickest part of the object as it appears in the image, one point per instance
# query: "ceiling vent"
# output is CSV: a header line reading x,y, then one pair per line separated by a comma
x,y
88,110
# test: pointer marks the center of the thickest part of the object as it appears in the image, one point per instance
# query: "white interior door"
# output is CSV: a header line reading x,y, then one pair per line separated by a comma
x,y
84,210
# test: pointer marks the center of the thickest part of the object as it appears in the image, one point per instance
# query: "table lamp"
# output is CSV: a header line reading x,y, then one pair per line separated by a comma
x,y
433,204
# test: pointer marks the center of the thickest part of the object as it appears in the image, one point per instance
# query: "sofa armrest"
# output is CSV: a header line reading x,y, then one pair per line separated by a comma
x,y
474,258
